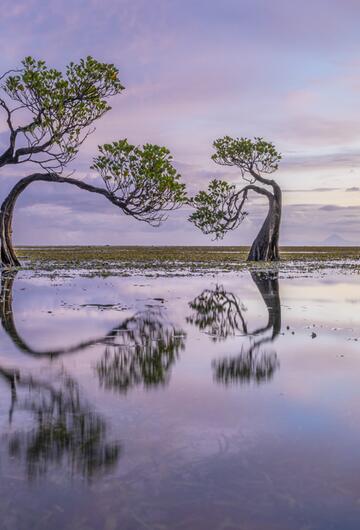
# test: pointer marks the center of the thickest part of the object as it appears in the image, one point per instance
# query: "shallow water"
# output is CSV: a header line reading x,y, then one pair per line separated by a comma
x,y
214,402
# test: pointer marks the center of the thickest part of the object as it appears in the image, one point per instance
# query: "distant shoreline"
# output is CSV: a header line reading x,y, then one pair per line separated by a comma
x,y
212,247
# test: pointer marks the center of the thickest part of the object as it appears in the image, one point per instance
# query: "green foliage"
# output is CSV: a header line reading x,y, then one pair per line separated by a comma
x,y
143,178
218,209
218,313
65,430
61,106
255,155
150,345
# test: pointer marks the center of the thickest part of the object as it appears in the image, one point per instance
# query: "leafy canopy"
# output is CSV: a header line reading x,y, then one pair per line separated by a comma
x,y
149,347
143,178
251,156
57,108
218,209
219,313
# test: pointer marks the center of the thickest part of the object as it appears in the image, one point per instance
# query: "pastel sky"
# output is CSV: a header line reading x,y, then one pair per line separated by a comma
x,y
195,70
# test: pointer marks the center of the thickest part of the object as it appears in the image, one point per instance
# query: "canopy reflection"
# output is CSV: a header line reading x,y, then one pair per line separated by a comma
x,y
221,314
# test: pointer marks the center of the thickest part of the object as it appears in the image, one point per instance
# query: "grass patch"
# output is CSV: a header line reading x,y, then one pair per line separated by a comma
x,y
125,259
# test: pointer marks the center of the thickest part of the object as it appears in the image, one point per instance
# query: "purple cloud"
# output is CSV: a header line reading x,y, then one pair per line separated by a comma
x,y
195,71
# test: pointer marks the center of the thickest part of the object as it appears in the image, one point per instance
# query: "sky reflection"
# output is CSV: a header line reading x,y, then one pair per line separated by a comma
x,y
206,388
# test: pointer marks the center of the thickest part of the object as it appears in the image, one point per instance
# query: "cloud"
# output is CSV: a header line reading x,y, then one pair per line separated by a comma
x,y
330,207
46,210
195,71
311,190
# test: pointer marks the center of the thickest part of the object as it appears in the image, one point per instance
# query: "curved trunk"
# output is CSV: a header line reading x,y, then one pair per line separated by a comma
x,y
268,286
266,244
8,255
8,323
256,363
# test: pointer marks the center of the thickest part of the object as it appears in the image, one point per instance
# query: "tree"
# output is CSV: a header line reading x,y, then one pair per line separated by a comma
x,y
221,207
50,114
220,313
141,181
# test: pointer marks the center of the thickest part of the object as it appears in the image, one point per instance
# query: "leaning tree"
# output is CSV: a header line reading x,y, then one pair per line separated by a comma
x,y
222,207
49,115
141,181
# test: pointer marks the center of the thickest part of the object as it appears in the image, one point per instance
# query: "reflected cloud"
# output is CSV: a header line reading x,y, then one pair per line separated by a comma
x,y
8,323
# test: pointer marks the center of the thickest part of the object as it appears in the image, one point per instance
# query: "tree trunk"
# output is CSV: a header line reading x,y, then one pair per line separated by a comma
x,y
8,255
266,244
268,286
7,319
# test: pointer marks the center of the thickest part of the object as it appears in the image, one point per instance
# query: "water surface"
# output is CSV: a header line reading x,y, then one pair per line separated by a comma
x,y
214,402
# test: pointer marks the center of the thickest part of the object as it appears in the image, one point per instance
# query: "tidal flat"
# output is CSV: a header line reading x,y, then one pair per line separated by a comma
x,y
180,388
162,261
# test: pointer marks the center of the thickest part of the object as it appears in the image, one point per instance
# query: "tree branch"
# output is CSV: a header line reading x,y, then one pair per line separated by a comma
x,y
259,178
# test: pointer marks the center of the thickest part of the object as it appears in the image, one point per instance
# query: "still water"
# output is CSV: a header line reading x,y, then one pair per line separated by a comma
x,y
214,402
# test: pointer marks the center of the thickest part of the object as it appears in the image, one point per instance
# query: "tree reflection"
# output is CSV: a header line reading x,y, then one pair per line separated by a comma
x,y
64,428
149,346
9,326
218,313
251,365
140,350
221,314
